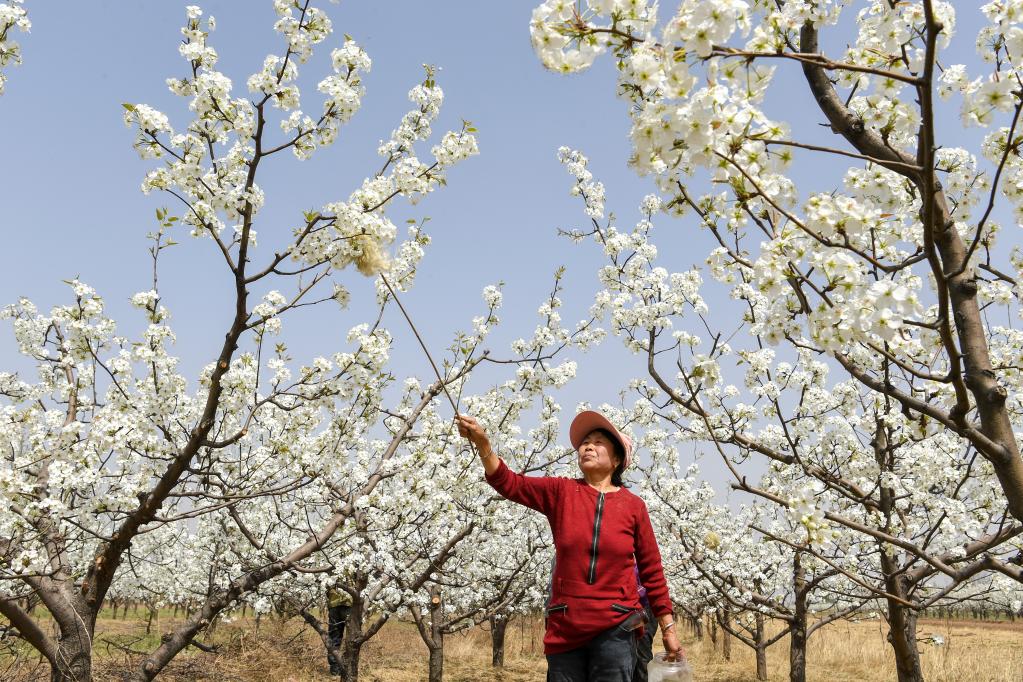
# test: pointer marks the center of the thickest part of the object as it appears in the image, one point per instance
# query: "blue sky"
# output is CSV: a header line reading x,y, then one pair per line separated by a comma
x,y
72,207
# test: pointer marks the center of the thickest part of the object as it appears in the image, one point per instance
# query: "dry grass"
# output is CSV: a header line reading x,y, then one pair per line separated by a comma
x,y
288,652
859,652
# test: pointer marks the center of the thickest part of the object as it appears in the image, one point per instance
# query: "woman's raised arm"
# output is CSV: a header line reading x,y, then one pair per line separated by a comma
x,y
535,492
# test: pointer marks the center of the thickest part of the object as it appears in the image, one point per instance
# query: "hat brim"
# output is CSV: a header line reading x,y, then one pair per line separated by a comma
x,y
588,421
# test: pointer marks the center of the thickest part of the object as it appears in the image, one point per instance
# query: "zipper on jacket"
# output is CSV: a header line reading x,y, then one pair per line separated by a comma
x,y
592,576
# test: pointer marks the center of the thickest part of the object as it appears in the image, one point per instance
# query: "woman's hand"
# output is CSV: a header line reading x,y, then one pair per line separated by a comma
x,y
672,649
469,428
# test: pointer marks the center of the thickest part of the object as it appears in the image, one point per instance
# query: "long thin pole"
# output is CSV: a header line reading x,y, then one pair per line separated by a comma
x,y
422,345
419,338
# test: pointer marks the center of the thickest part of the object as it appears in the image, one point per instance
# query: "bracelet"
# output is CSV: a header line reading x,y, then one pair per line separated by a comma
x,y
665,628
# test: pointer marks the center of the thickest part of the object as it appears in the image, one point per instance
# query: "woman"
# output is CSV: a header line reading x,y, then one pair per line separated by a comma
x,y
602,534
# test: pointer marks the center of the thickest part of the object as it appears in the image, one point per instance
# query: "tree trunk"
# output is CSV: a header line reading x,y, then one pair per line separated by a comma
x,y
74,665
902,637
901,624
351,650
761,648
713,634
73,660
436,643
698,627
797,634
351,643
901,621
498,626
726,640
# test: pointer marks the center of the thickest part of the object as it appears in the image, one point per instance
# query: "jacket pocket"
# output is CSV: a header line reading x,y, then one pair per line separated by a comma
x,y
621,608
635,621
557,608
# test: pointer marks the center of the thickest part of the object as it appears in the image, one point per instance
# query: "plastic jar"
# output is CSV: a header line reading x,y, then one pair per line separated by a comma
x,y
660,670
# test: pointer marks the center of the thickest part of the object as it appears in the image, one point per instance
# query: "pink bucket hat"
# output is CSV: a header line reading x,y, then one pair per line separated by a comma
x,y
585,422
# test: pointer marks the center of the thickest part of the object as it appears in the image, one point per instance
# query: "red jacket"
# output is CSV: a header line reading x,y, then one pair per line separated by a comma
x,y
599,539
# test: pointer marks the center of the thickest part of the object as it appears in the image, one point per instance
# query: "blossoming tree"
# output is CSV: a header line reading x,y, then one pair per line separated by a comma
x,y
888,276
112,442
890,282
859,481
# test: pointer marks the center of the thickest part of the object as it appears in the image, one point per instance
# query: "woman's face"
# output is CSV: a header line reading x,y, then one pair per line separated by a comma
x,y
597,455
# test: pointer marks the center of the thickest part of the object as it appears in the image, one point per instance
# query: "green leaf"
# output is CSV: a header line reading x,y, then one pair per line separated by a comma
x,y
128,106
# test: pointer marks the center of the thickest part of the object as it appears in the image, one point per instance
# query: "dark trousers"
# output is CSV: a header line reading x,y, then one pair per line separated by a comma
x,y
608,657
337,617
645,647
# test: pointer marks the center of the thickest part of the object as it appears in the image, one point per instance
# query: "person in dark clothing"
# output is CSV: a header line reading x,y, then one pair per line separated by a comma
x,y
645,646
644,643
339,605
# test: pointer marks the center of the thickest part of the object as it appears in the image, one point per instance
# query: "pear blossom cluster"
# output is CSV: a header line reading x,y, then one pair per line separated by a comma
x,y
208,165
12,17
562,51
591,192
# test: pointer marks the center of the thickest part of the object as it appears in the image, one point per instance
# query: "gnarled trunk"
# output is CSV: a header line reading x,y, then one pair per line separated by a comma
x,y
498,627
761,647
726,639
351,645
436,641
350,653
76,621
902,637
901,624
797,632
74,664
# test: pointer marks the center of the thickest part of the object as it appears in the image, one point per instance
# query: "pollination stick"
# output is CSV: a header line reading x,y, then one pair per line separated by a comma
x,y
422,344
